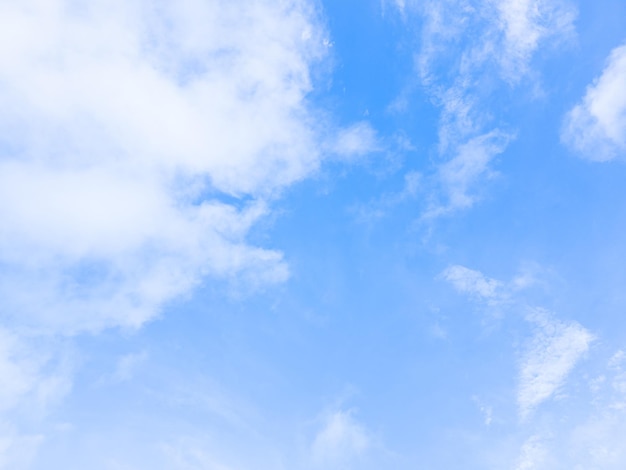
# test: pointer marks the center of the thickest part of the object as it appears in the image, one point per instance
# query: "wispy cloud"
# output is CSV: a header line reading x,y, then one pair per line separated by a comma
x,y
554,348
474,283
549,358
532,455
355,141
486,289
469,51
32,374
34,377
525,24
588,435
341,440
471,163
596,127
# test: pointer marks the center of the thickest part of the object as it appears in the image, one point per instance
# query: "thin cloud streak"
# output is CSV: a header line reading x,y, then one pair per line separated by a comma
x,y
457,67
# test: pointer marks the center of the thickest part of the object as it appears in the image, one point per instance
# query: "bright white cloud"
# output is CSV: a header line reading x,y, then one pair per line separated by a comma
x,y
139,143
596,127
31,375
123,124
341,440
549,358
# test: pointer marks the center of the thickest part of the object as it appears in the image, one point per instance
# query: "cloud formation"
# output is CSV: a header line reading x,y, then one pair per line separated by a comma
x,y
524,25
140,142
341,440
475,283
532,454
550,356
552,352
596,127
469,51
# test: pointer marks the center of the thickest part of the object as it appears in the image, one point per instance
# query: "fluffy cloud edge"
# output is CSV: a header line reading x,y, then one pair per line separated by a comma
x,y
596,127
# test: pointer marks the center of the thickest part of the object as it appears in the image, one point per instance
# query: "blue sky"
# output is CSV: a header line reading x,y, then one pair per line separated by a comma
x,y
307,235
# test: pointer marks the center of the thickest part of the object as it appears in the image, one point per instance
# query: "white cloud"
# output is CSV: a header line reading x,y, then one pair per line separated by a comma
x,y
549,358
341,440
469,281
589,435
32,375
492,291
33,379
596,127
123,125
355,141
532,455
510,32
469,50
525,25
401,5
471,163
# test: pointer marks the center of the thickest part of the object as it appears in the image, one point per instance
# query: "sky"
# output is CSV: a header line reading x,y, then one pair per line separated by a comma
x,y
312,234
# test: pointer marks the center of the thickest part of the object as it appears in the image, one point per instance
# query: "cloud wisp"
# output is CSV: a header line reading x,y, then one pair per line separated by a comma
x,y
549,358
341,440
469,52
549,355
596,127
475,284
